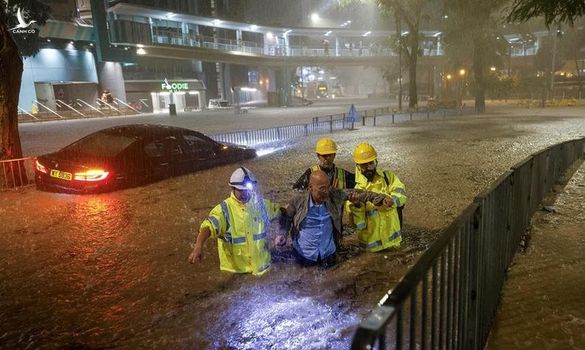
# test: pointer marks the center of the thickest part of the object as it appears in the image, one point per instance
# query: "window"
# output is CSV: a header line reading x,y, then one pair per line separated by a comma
x,y
194,144
163,147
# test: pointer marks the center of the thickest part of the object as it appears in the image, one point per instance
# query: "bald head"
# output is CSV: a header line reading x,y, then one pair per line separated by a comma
x,y
319,186
319,178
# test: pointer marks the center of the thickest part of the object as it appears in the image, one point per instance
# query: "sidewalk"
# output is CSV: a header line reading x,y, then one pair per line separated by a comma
x,y
543,299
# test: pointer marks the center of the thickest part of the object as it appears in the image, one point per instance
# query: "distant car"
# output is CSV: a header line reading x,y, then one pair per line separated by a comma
x,y
131,155
219,104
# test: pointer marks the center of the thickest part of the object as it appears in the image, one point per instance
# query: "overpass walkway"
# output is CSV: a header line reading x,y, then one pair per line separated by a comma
x,y
543,299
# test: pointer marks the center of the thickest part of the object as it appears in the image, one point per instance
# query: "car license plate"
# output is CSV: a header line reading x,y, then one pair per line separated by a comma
x,y
61,175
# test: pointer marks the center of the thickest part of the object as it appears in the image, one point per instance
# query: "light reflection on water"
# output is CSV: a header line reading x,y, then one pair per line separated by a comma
x,y
100,254
270,318
268,150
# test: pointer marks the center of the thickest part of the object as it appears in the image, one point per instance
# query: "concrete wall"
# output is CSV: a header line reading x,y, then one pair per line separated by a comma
x,y
54,66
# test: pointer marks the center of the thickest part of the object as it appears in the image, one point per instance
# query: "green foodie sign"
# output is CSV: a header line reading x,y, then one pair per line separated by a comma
x,y
174,87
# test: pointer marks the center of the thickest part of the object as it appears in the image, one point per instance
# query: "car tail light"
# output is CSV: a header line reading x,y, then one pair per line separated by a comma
x,y
41,168
92,175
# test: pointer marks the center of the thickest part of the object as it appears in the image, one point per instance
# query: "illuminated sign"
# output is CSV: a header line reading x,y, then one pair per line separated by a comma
x,y
173,87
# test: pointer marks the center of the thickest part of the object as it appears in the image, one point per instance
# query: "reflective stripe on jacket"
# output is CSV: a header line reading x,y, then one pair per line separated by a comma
x,y
378,226
240,229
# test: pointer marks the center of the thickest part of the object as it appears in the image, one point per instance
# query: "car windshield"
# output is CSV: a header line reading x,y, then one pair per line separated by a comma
x,y
101,144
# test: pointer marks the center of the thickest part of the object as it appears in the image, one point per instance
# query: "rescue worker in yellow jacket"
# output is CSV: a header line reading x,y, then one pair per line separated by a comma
x,y
239,224
340,178
378,227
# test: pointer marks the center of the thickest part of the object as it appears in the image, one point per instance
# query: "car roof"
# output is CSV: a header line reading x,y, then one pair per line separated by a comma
x,y
144,131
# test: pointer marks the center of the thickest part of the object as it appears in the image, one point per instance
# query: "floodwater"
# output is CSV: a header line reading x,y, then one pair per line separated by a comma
x,y
110,270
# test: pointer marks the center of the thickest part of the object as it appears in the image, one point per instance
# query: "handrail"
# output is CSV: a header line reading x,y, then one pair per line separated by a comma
x,y
107,104
47,108
73,109
90,106
15,173
125,104
25,112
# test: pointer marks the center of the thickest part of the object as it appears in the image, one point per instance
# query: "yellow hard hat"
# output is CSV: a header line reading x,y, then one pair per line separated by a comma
x,y
326,146
364,153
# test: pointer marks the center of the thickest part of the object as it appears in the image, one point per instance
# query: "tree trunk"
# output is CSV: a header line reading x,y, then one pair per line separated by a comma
x,y
412,62
579,78
11,73
412,89
479,71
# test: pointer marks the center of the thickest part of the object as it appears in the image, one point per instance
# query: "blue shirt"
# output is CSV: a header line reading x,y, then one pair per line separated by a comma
x,y
315,239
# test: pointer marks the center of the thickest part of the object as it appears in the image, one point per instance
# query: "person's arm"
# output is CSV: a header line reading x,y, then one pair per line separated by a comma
x,y
213,226
276,211
375,198
397,189
284,226
303,181
288,215
196,255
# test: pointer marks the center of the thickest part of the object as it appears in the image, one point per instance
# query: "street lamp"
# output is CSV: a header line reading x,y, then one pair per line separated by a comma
x,y
462,74
448,86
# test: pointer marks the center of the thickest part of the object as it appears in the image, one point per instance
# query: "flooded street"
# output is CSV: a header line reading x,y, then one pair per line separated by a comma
x,y
110,270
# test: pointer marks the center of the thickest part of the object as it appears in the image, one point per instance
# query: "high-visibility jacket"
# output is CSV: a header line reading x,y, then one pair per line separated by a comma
x,y
378,226
240,229
338,180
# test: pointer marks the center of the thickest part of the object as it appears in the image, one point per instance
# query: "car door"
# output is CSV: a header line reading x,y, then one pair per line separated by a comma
x,y
164,156
200,152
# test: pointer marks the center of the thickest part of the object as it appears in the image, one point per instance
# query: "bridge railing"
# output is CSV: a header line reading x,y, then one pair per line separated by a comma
x,y
449,298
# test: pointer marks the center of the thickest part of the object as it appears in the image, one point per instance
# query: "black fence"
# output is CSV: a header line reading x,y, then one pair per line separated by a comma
x,y
448,300
330,123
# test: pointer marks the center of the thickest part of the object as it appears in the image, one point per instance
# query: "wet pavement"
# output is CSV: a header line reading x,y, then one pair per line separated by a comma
x,y
543,299
110,270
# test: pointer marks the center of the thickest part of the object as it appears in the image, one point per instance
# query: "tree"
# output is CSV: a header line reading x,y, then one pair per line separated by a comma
x,y
554,11
409,13
15,43
474,40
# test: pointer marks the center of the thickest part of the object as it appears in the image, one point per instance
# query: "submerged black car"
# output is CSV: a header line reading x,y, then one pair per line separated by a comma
x,y
131,155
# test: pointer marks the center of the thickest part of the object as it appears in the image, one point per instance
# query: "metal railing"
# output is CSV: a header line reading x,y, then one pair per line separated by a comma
x,y
321,124
15,173
330,123
260,136
449,298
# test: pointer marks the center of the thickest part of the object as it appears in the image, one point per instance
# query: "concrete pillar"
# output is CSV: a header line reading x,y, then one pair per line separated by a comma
x,y
185,33
239,37
111,77
226,82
